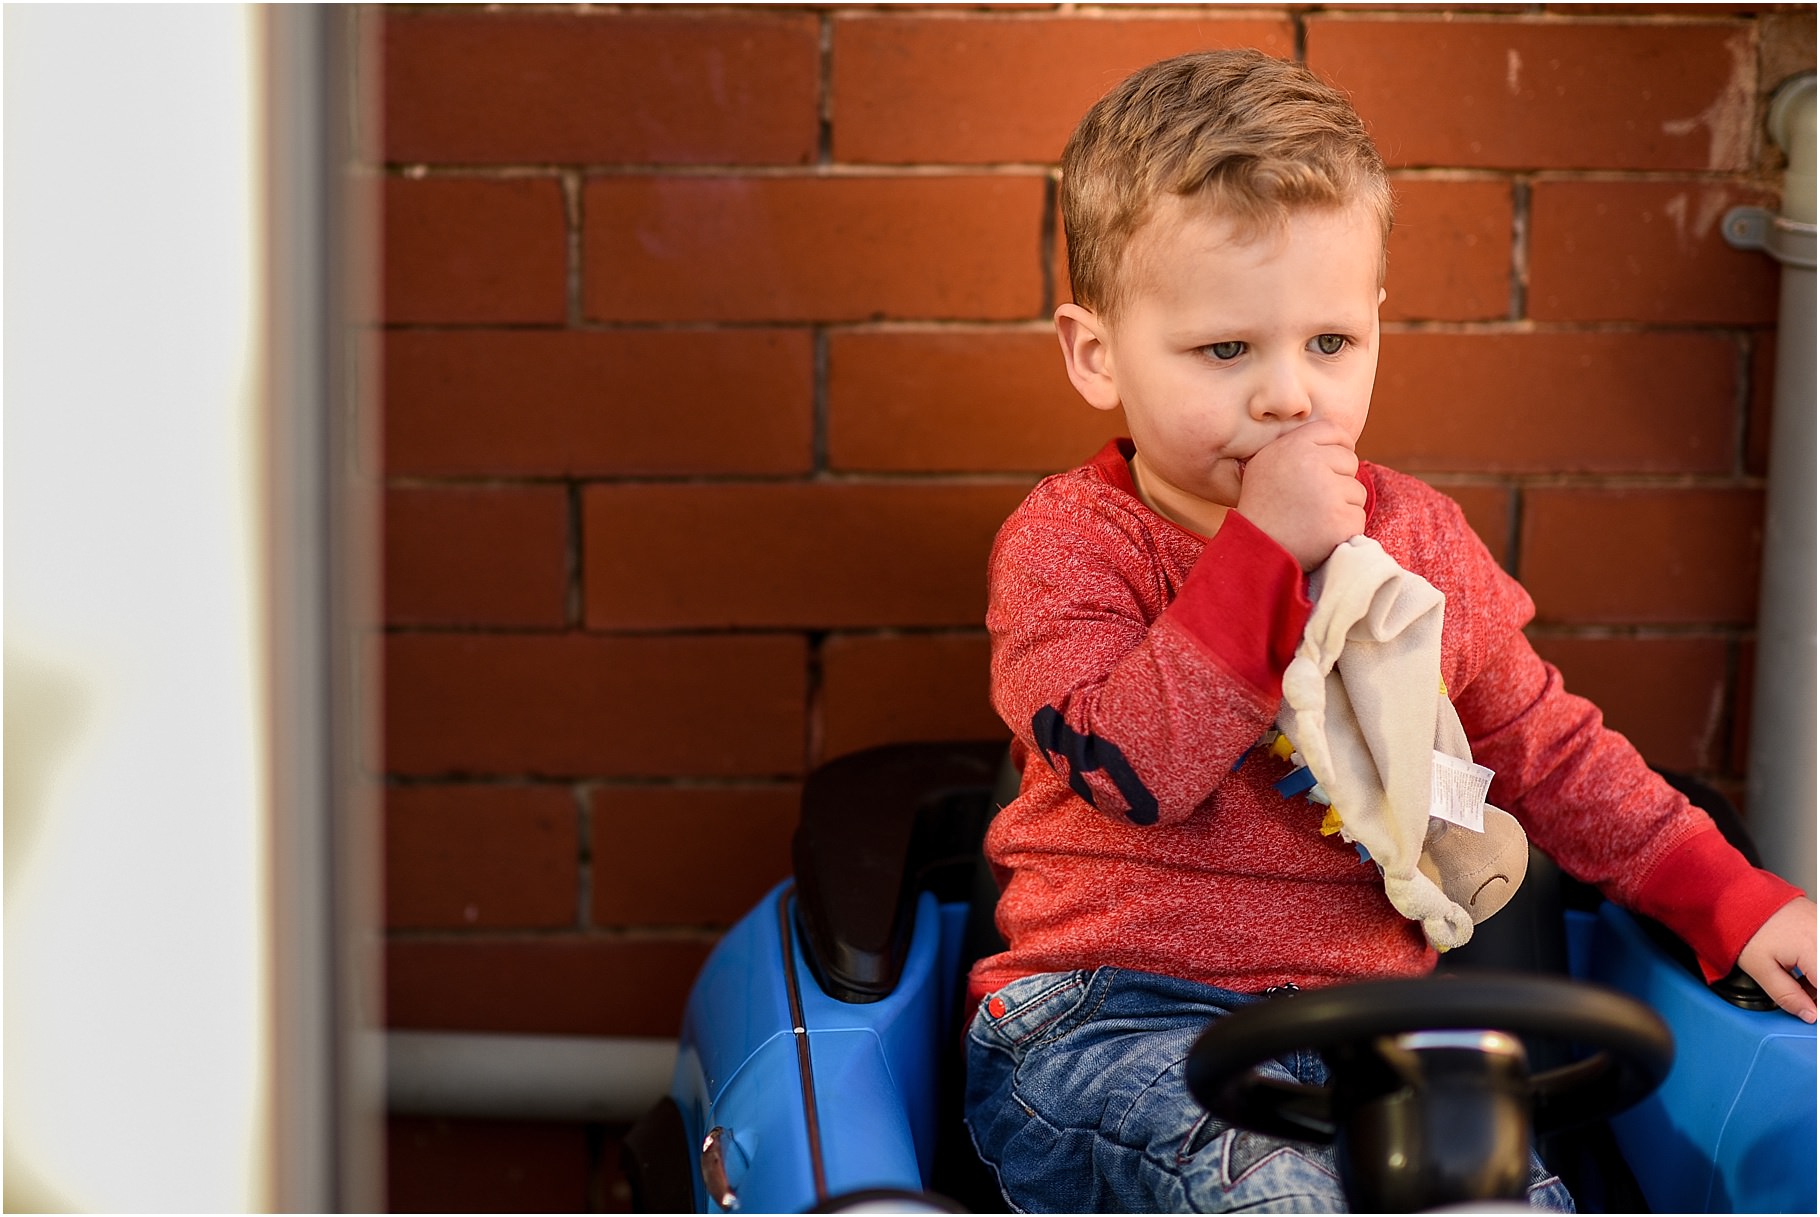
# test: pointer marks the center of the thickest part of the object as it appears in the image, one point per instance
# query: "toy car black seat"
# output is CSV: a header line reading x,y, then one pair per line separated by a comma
x,y
877,828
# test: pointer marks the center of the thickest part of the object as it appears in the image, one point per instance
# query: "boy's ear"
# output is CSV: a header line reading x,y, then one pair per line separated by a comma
x,y
1087,355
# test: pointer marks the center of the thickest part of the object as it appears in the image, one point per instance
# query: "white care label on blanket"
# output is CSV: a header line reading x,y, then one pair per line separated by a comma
x,y
1459,792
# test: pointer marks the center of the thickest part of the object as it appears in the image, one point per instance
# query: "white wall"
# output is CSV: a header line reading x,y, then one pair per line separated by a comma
x,y
135,909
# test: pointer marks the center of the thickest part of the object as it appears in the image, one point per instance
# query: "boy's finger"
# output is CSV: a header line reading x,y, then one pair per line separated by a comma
x,y
1790,994
1798,1002
1324,431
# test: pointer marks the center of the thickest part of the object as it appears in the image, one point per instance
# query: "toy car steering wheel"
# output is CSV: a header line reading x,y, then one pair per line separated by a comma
x,y
1431,1101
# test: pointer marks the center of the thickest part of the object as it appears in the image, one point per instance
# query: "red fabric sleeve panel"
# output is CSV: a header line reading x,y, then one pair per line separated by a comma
x,y
1100,684
1247,602
1712,898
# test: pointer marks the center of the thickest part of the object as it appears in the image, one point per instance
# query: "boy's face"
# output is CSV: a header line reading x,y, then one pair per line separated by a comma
x,y
1225,344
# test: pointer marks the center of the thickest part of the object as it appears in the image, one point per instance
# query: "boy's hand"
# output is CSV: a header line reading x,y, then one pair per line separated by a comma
x,y
1303,491
1781,945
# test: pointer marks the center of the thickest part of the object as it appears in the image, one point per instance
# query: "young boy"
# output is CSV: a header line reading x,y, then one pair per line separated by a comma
x,y
1226,216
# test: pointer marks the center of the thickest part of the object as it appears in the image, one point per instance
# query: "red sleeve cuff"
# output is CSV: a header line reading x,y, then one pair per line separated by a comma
x,y
1712,898
1246,601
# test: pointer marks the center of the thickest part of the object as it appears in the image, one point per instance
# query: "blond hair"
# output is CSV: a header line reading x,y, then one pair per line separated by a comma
x,y
1251,137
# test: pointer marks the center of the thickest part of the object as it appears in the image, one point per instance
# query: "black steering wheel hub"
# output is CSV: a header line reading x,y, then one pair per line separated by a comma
x,y
1431,1100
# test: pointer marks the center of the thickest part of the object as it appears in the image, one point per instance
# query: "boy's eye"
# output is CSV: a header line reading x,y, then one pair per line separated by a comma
x,y
1330,344
1225,350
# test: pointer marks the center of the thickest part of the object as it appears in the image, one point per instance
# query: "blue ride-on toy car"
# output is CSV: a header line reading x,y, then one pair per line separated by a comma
x,y
819,1064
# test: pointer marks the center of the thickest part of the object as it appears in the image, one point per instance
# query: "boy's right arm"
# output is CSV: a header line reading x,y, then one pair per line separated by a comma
x,y
1141,702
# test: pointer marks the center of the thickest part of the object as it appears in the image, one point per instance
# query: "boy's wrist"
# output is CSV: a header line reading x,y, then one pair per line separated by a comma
x,y
1246,601
1712,898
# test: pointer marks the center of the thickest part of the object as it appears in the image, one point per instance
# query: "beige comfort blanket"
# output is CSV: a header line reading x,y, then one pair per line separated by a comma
x,y
1365,707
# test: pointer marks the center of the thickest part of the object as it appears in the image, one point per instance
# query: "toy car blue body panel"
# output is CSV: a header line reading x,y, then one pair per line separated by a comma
x,y
816,1097
787,1098
1733,1127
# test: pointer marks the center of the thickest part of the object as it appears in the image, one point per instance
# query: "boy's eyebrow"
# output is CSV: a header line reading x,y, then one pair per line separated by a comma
x,y
1193,331
1189,329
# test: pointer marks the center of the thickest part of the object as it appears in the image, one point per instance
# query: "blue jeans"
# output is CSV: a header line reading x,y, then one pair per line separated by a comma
x,y
1077,1097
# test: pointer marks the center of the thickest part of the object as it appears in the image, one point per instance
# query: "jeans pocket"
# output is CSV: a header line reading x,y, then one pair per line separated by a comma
x,y
1032,1010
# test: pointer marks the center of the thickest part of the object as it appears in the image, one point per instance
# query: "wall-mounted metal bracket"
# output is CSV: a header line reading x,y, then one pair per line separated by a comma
x,y
1789,242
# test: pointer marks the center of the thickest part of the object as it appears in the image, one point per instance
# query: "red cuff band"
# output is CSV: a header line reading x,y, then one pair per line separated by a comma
x,y
1712,898
1247,602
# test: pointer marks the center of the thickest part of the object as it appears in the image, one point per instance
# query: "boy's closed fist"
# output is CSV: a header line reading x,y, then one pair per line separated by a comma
x,y
1302,489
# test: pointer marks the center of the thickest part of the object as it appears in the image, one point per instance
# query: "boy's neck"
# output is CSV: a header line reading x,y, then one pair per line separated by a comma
x,y
1197,515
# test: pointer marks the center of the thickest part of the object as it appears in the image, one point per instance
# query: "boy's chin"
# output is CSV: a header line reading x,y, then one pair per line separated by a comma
x,y
1227,483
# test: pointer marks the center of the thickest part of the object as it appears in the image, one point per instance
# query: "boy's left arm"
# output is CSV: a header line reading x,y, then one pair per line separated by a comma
x,y
1594,805
1780,958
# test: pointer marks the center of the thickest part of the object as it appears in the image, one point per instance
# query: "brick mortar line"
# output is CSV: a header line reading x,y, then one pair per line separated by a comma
x,y
824,83
1623,479
1615,482
574,191
592,785
491,780
1521,200
1732,675
952,327
1472,173
833,477
587,171
1551,480
1478,13
1513,531
1054,277
574,551
820,401
686,784
1653,632
584,857
987,327
586,326
529,778
706,932
883,633
815,699
1634,479
1157,10
909,325
479,481
1742,392
597,170
1488,14
1527,325
759,632
951,632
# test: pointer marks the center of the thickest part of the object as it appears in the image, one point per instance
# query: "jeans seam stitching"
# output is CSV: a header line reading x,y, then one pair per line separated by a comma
x,y
1039,1034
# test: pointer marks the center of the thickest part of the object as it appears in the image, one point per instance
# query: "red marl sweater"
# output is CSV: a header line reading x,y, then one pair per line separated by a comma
x,y
1139,662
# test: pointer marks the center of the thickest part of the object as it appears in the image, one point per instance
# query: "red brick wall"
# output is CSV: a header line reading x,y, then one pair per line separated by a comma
x,y
717,346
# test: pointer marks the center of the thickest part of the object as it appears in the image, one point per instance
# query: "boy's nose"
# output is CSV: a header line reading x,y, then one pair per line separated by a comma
x,y
1280,393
